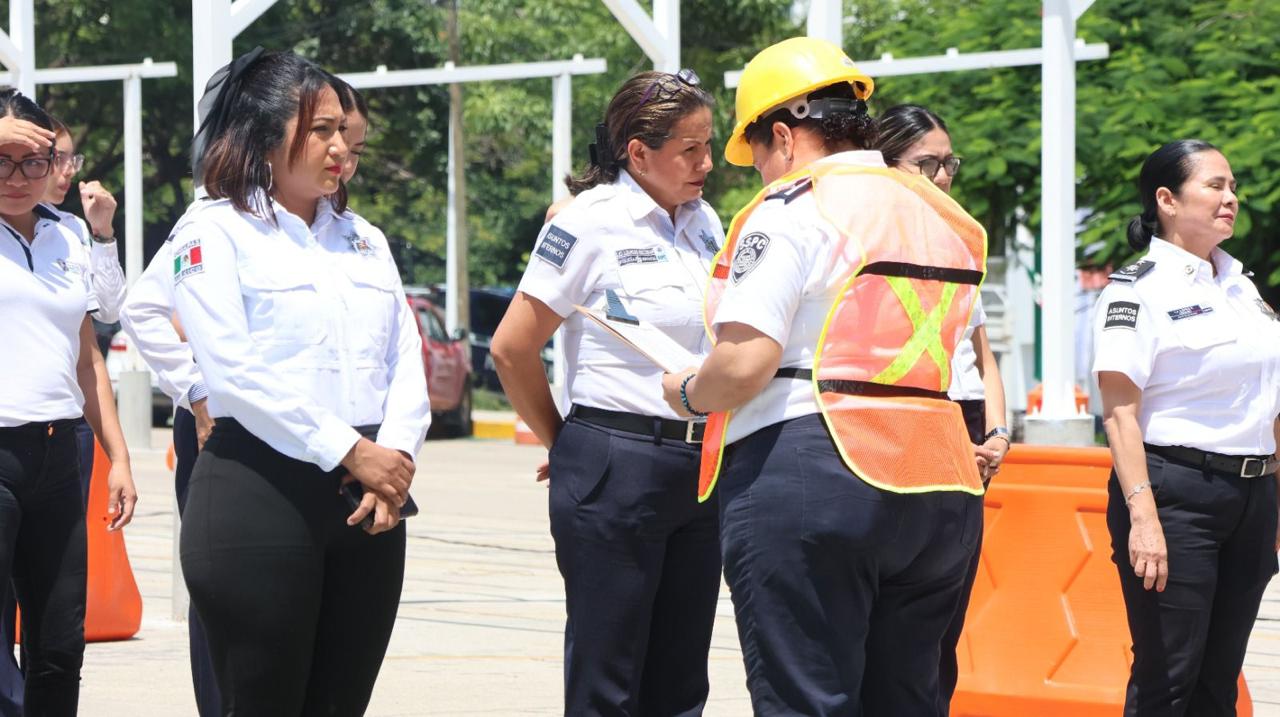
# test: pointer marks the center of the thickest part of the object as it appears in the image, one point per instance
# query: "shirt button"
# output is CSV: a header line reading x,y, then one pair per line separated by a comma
x,y
1190,270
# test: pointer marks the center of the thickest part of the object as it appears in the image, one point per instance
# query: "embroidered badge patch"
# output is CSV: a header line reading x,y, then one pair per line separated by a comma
x,y
555,246
1122,315
360,244
1266,309
1187,312
708,241
187,261
70,267
645,255
750,251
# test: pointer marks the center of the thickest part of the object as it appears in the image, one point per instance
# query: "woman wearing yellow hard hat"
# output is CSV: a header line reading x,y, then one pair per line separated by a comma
x,y
849,494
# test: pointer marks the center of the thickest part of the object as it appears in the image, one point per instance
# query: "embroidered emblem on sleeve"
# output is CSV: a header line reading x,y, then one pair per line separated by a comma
x,y
555,246
187,261
751,250
1122,315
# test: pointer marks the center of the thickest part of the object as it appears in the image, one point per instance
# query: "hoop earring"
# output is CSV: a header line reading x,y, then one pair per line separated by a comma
x,y
271,178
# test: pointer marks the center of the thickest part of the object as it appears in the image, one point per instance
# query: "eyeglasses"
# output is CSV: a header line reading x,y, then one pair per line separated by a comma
x,y
68,162
664,88
929,165
31,168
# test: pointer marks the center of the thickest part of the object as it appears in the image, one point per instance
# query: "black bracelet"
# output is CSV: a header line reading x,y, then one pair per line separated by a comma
x,y
684,396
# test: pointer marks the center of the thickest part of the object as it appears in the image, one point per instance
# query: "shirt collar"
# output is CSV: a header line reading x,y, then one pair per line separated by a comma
x,y
1192,267
640,204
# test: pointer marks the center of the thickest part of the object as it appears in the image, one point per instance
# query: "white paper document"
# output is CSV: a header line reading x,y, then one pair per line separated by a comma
x,y
649,340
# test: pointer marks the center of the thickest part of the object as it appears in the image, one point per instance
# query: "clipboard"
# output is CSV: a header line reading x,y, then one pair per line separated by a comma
x,y
650,341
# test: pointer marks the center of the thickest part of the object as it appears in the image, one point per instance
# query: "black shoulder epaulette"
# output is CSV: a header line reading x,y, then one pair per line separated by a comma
x,y
1134,271
795,190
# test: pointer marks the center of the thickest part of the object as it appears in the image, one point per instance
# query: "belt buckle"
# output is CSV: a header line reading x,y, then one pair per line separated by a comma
x,y
688,431
1244,467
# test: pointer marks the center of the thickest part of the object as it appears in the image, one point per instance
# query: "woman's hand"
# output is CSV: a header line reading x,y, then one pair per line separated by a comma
x,y
544,471
383,471
29,134
386,515
671,391
983,456
1147,552
999,448
99,208
121,495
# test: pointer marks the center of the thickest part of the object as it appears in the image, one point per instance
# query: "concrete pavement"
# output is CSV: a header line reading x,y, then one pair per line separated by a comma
x,y
479,631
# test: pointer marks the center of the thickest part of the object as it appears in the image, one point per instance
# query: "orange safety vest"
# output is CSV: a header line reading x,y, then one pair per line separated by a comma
x,y
882,364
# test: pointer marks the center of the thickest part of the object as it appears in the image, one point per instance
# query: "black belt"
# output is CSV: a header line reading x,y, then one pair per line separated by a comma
x,y
859,388
687,431
1239,466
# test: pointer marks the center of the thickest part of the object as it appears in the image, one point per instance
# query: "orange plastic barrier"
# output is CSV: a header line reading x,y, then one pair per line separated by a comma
x,y
1036,395
524,436
113,607
1046,633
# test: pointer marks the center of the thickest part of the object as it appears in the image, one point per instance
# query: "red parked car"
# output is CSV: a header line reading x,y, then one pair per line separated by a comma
x,y
448,362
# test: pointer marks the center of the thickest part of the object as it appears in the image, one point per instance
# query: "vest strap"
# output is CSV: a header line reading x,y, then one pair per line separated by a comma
x,y
924,273
859,388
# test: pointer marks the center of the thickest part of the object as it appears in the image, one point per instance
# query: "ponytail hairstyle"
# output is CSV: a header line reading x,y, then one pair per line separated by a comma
x,y
646,108
833,112
250,102
900,127
1169,167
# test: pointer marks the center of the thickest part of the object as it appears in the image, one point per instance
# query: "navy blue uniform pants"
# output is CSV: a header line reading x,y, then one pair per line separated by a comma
x,y
640,559
298,606
185,450
43,551
1189,641
975,422
842,591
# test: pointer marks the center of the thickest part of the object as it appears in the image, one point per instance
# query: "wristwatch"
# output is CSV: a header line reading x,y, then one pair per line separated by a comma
x,y
99,239
998,432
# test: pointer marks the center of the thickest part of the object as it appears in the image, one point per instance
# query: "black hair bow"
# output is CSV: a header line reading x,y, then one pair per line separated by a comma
x,y
602,149
215,104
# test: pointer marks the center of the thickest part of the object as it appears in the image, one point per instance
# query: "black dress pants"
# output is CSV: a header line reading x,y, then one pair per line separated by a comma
x,y
43,551
640,558
1189,641
203,679
298,606
842,591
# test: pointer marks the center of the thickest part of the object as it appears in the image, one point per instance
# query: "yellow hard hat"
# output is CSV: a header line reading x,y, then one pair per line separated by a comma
x,y
790,69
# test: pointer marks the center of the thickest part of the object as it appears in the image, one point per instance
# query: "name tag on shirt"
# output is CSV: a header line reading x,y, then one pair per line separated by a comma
x,y
646,255
1187,312
1122,315
70,267
555,246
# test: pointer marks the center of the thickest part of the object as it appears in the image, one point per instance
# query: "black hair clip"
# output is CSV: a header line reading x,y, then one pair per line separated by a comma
x,y
601,150
215,103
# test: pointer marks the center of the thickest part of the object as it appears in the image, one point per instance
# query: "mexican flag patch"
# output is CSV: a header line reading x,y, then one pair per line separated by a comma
x,y
186,261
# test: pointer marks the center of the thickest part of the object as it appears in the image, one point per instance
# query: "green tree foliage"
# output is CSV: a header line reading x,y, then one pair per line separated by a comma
x,y
1178,68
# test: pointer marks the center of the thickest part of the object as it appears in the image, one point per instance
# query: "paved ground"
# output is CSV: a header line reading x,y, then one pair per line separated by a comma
x,y
479,627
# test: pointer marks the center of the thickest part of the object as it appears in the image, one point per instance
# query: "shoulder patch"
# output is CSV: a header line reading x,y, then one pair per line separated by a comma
x,y
788,193
751,249
187,261
1134,271
1122,315
1266,309
555,246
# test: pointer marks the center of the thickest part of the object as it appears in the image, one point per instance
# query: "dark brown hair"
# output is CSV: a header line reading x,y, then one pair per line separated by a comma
x,y
838,128
637,111
277,87
901,126
1170,166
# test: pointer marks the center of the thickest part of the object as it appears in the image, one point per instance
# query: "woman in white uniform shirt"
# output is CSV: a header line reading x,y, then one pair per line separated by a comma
x,y
1188,363
49,382
639,555
300,327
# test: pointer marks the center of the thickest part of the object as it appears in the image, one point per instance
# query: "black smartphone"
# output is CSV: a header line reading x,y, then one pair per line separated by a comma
x,y
353,492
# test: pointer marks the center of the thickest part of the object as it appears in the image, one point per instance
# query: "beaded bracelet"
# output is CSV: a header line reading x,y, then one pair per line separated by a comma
x,y
684,396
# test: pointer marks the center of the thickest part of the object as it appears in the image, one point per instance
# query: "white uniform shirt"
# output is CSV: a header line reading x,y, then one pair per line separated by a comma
x,y
147,319
966,382
615,237
1205,351
45,293
300,332
786,294
106,276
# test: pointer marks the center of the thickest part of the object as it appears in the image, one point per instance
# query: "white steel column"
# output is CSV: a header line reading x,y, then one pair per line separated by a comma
x,y
658,36
22,29
451,239
133,178
561,134
210,44
666,17
826,20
